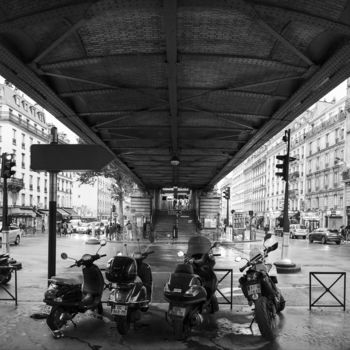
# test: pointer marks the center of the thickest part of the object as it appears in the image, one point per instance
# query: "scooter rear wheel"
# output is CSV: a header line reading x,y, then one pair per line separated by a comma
x,y
123,324
4,279
54,320
181,328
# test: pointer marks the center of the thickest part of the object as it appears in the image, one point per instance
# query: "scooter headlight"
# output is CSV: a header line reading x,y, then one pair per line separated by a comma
x,y
109,262
166,288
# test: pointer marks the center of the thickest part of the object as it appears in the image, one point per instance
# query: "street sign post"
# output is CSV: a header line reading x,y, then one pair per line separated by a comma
x,y
57,157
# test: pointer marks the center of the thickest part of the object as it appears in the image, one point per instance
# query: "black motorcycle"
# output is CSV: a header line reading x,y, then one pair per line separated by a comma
x,y
70,296
260,289
130,288
5,268
190,290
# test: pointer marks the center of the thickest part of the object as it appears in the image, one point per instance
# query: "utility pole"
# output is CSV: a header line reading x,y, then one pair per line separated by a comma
x,y
52,213
285,265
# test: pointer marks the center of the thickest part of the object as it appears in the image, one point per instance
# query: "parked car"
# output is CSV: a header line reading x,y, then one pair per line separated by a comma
x,y
325,235
84,227
14,234
297,230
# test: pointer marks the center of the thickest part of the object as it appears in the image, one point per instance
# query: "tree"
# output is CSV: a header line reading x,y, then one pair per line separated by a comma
x,y
122,187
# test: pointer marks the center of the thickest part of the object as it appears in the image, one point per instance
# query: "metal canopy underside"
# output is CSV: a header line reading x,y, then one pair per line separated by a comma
x,y
206,81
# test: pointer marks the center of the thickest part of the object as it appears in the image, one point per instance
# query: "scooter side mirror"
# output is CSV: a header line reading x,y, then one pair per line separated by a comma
x,y
216,245
267,236
103,242
64,256
238,259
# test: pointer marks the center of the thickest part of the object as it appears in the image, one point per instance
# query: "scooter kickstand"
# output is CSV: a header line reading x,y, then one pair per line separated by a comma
x,y
251,323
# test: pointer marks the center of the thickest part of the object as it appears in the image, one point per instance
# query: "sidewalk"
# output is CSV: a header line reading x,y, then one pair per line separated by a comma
x,y
298,329
320,329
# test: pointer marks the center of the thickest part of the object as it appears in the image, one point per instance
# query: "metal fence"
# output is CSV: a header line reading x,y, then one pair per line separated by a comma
x,y
341,275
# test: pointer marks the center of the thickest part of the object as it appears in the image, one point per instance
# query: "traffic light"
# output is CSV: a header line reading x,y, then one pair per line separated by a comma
x,y
282,167
7,162
227,193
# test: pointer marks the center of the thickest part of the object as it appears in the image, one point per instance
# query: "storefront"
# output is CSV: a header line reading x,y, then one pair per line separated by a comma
x,y
334,219
311,219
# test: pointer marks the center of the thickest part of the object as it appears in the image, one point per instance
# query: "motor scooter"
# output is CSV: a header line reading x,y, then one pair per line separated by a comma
x,y
190,290
5,268
69,296
260,289
130,287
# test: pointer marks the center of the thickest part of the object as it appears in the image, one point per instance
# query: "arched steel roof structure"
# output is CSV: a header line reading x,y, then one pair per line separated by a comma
x,y
206,81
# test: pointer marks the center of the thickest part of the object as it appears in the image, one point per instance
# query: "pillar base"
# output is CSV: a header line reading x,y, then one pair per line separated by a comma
x,y
286,266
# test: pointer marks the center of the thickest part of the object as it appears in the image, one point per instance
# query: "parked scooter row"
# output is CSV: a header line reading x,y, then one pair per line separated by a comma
x,y
190,290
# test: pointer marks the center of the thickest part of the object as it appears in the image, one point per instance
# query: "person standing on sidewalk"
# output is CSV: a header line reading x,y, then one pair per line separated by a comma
x,y
129,230
266,229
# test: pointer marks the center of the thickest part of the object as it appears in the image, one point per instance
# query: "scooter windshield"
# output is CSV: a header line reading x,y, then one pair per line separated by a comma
x,y
198,245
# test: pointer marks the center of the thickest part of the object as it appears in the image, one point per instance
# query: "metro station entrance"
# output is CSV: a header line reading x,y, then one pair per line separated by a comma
x,y
176,199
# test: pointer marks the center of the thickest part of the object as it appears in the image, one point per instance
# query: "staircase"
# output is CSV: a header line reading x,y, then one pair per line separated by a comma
x,y
165,221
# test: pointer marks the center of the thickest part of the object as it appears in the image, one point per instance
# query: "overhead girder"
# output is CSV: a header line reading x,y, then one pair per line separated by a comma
x,y
183,86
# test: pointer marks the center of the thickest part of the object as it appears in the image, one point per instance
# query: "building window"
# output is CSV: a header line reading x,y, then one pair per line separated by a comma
x,y
23,141
14,139
23,202
31,200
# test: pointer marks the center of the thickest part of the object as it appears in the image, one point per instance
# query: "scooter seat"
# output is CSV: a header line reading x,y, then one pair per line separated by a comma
x,y
4,255
184,268
66,280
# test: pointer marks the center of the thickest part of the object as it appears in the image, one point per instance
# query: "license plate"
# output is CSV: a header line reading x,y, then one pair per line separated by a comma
x,y
254,289
120,310
46,309
178,311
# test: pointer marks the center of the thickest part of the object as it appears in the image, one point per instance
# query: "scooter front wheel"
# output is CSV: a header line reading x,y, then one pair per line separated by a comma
x,y
266,318
55,320
123,324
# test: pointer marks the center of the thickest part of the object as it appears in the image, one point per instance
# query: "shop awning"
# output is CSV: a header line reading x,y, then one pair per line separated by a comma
x,y
22,212
63,213
72,213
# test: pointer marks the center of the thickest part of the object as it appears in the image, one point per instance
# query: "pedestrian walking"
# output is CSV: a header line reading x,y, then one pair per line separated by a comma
x,y
129,230
65,228
266,229
43,227
108,232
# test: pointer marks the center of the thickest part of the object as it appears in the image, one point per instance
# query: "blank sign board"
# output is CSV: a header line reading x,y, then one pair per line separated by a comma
x,y
54,157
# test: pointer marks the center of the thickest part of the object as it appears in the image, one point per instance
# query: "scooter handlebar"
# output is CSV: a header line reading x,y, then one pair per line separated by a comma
x,y
241,269
216,254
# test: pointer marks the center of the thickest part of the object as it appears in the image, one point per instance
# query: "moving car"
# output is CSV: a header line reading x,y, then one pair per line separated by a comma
x,y
14,234
84,227
325,235
297,230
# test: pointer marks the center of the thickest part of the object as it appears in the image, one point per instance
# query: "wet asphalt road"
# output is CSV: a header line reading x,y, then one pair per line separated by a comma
x,y
321,328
